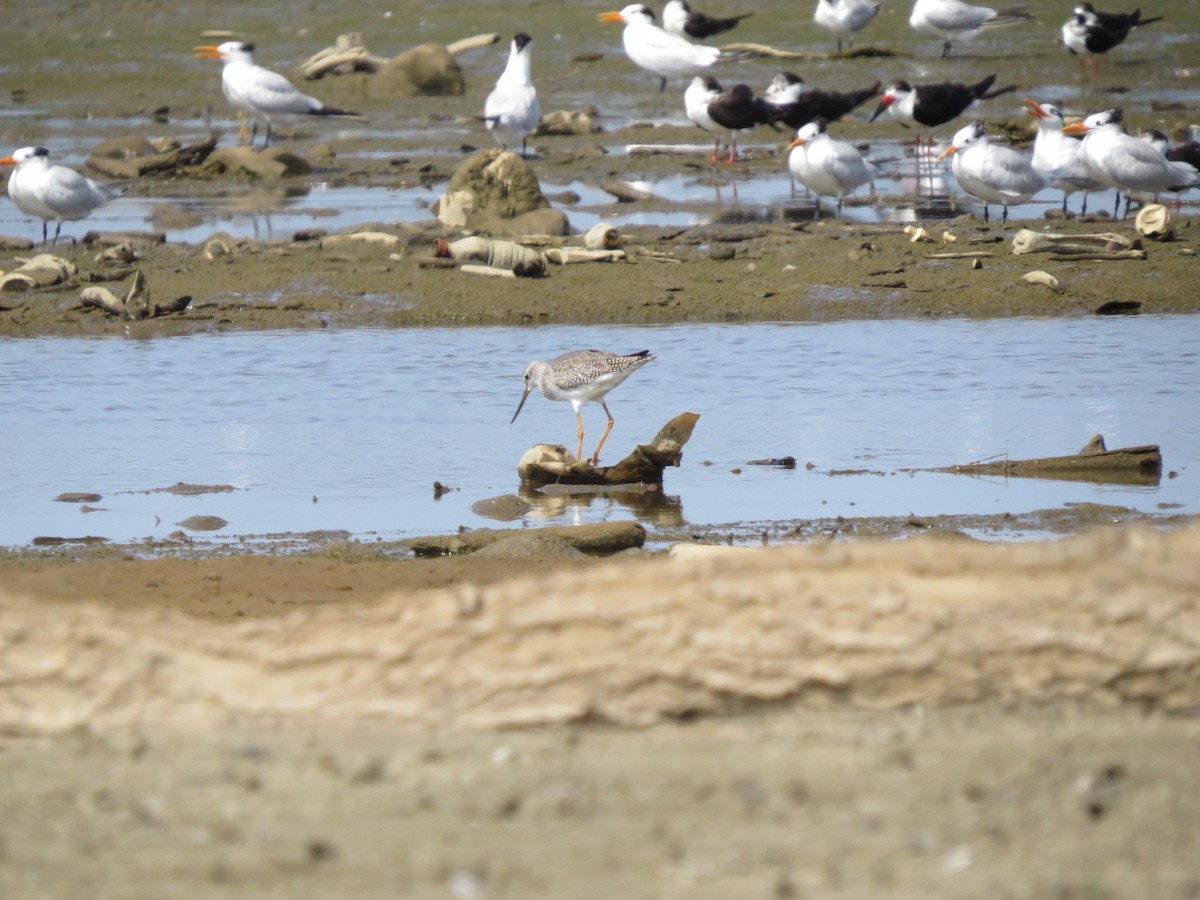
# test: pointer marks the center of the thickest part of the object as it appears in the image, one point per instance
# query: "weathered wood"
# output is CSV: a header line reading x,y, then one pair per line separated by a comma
x,y
1128,465
1027,241
602,538
554,464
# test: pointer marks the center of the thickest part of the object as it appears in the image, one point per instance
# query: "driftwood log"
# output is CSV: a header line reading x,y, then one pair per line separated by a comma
x,y
602,538
1095,462
1106,245
554,464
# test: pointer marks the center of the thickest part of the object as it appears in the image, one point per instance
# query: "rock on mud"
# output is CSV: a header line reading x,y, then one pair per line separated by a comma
x,y
495,191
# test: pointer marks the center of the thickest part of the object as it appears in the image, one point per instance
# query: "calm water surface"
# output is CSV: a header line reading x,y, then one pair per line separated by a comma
x,y
348,430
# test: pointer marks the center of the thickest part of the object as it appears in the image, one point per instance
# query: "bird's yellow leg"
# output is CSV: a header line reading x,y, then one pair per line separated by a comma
x,y
243,132
603,437
579,449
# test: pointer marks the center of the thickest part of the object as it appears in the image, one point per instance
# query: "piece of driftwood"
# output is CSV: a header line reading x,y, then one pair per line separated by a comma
x,y
349,54
554,464
136,304
1095,462
1027,241
602,538
777,53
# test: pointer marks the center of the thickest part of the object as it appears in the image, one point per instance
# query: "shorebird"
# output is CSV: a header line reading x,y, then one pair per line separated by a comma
x,y
934,104
655,50
951,19
1089,33
258,92
733,109
799,105
990,172
680,19
1187,151
1126,163
1056,155
511,110
845,17
827,167
52,192
582,376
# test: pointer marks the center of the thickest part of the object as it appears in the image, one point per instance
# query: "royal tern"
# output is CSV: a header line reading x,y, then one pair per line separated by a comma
x,y
934,104
845,17
827,167
680,19
733,109
990,172
1056,155
799,105
511,110
582,376
1126,163
259,92
52,192
1088,33
952,19
655,50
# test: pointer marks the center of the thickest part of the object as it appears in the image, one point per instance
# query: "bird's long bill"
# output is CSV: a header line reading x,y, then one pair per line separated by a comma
x,y
610,17
798,142
949,151
883,104
207,51
524,396
1034,108
8,161
1075,128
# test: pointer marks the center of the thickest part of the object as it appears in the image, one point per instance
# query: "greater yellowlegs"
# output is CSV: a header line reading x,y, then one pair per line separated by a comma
x,y
582,376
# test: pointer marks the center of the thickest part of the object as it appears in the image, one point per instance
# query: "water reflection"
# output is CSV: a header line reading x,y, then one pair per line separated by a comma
x,y
348,430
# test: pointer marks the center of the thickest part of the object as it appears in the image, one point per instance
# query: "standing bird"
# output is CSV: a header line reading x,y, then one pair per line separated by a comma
x,y
259,92
733,109
827,167
1126,163
511,110
1056,155
799,105
52,192
581,376
934,104
1088,33
655,50
952,19
992,173
846,17
1187,151
680,19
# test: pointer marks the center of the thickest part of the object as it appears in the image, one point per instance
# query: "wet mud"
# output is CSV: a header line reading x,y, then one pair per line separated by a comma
x,y
871,717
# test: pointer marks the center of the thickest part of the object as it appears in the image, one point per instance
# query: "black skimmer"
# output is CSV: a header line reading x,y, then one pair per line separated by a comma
x,y
733,109
936,103
680,19
511,110
800,105
953,19
51,192
259,92
1089,34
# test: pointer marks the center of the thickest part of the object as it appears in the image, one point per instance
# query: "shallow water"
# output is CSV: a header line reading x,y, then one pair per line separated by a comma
x,y
348,430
